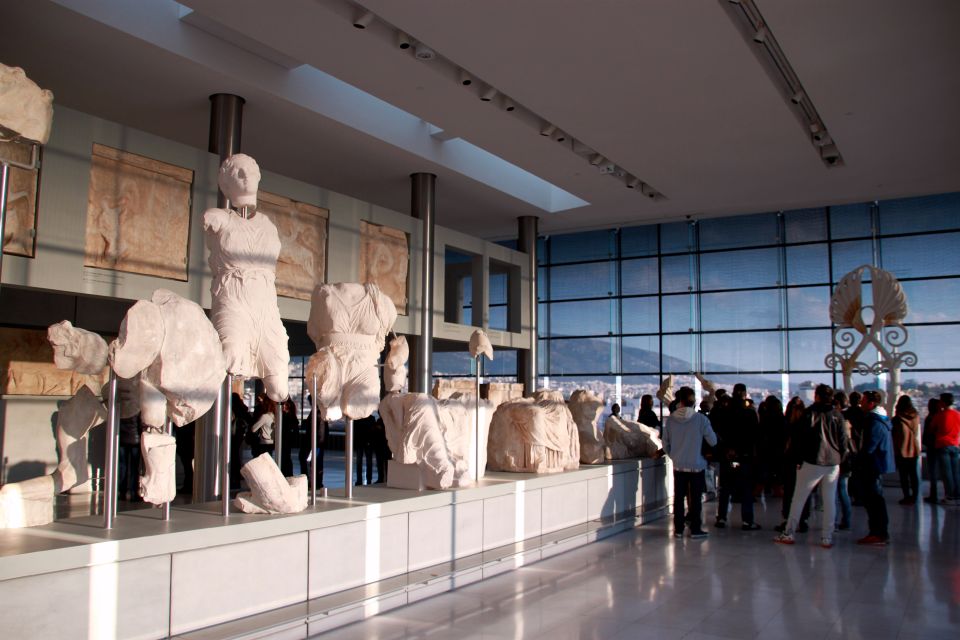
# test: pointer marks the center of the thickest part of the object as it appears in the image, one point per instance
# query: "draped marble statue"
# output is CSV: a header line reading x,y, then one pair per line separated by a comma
x,y
244,246
624,438
535,435
348,324
585,408
26,110
77,349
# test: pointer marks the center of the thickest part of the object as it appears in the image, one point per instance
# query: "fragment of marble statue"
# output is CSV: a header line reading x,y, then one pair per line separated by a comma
x,y
585,407
26,110
171,344
348,324
77,349
460,417
535,435
414,435
158,484
480,344
269,491
710,387
27,504
75,418
628,439
243,261
665,392
395,366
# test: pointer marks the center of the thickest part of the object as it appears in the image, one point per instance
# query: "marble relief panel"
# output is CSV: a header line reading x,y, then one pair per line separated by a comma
x,y
20,230
26,367
138,214
385,260
303,243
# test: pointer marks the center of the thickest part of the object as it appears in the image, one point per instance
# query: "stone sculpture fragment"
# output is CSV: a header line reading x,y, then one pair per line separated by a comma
x,y
585,408
26,110
77,349
269,491
534,435
480,344
158,485
628,439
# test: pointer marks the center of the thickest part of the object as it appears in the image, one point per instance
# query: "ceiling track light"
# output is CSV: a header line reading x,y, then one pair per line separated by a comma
x,y
760,37
403,40
547,129
633,183
831,155
363,19
648,191
560,136
607,167
596,159
507,103
798,97
489,94
465,78
423,52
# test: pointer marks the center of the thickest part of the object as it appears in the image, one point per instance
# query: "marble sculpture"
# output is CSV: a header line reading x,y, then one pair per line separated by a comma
x,y
243,259
158,485
348,324
628,439
415,437
480,344
20,230
534,435
269,491
26,110
585,408
77,349
395,366
171,344
665,392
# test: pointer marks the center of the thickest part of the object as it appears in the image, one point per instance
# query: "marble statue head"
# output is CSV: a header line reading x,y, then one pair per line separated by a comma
x,y
239,180
26,110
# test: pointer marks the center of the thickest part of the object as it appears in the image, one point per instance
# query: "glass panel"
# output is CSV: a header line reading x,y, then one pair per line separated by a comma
x,y
736,352
808,349
919,256
586,318
295,367
543,291
936,347
679,313
458,287
805,225
847,256
802,385
543,352
851,221
543,320
929,213
591,245
586,355
640,315
638,241
641,354
502,277
677,273
593,280
933,300
503,365
740,269
677,237
680,353
452,363
808,307
639,276
604,386
739,231
808,264
542,247
758,386
741,310
497,317
633,389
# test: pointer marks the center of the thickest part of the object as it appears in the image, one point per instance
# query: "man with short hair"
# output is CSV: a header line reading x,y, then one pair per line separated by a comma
x,y
683,438
946,443
823,445
874,459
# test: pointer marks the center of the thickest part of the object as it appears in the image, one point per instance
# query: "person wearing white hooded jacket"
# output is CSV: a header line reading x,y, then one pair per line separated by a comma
x,y
683,440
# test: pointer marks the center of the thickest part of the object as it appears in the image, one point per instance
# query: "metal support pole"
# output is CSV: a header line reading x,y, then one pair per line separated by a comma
x,y
527,362
226,126
278,434
4,187
423,207
348,458
225,449
165,509
313,442
110,458
477,415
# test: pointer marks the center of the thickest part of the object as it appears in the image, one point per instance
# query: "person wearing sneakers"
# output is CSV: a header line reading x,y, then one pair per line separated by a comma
x,y
823,445
874,459
683,440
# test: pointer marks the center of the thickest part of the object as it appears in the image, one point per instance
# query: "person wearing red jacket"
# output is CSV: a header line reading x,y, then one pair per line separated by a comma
x,y
946,429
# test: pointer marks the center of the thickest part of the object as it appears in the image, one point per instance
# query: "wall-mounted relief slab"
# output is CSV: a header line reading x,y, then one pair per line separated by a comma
x,y
138,214
385,261
303,243
26,367
20,230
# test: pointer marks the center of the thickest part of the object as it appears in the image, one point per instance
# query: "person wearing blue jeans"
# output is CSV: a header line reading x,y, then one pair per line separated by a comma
x,y
875,458
683,438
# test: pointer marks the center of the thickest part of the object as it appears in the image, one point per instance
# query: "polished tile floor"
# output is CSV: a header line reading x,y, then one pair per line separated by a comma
x,y
736,584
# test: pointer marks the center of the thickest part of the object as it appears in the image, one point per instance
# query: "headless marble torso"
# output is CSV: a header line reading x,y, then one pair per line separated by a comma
x,y
243,259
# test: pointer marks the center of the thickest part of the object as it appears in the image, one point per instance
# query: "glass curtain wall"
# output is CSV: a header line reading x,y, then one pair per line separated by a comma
x,y
743,299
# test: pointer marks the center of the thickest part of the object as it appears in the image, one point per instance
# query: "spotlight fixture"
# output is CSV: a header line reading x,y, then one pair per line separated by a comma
x,y
596,159
633,183
648,191
363,19
760,36
798,97
607,167
831,155
508,104
560,136
465,78
403,40
423,52
489,94
547,129
822,139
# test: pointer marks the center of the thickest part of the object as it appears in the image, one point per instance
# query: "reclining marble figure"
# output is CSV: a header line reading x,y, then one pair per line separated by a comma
x,y
171,344
243,260
26,110
269,491
628,439
535,435
585,407
348,324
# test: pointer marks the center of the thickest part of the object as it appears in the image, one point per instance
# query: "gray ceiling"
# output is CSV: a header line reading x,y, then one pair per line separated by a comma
x,y
669,90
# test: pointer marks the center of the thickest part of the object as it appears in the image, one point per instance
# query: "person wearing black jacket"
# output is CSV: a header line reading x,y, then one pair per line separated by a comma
x,y
824,444
738,429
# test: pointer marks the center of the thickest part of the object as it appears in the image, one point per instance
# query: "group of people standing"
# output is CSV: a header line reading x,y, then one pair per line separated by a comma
x,y
842,445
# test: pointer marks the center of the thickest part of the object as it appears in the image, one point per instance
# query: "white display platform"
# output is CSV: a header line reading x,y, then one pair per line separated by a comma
x,y
149,579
